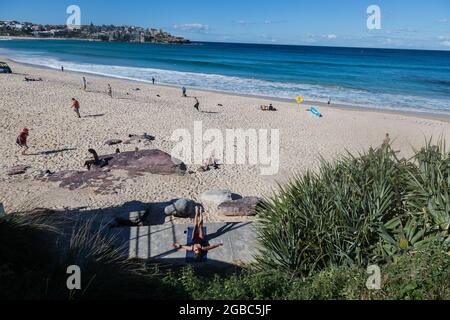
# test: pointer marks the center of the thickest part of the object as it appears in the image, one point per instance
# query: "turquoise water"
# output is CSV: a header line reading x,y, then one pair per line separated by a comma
x,y
379,78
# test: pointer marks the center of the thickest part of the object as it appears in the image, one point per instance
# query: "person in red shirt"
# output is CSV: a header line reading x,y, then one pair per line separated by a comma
x,y
76,107
21,140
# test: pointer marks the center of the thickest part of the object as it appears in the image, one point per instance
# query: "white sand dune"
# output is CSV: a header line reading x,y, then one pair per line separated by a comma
x,y
44,107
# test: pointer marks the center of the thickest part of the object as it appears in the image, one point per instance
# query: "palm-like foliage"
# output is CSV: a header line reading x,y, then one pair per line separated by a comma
x,y
355,211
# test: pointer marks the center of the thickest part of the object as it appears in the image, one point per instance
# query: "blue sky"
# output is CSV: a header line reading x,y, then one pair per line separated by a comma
x,y
405,23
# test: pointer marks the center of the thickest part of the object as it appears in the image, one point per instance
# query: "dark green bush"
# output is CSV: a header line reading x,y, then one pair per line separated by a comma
x,y
356,211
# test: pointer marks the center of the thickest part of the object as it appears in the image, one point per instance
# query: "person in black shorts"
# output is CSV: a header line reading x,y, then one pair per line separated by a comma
x,y
200,245
197,104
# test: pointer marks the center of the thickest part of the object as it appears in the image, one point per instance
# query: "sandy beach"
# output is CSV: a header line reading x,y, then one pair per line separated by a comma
x,y
59,141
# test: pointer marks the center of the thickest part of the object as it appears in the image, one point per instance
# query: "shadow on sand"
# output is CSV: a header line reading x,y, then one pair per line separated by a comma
x,y
52,152
94,115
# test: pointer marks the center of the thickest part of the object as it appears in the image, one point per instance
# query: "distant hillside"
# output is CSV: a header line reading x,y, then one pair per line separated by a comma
x,y
109,33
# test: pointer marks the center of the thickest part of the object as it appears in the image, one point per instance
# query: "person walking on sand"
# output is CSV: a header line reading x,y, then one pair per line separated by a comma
x,y
84,84
76,107
110,93
197,104
200,245
153,81
184,90
62,68
21,140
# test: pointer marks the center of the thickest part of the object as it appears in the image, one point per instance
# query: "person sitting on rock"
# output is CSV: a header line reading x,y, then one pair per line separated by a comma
x,y
96,162
210,164
200,246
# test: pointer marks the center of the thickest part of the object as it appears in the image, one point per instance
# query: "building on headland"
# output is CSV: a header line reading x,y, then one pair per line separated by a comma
x,y
109,33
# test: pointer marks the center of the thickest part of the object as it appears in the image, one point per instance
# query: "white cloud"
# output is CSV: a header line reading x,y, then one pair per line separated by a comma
x,y
332,36
274,21
445,20
192,27
242,22
266,22
446,43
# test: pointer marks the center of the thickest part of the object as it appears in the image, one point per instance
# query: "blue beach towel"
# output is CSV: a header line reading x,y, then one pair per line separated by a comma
x,y
190,256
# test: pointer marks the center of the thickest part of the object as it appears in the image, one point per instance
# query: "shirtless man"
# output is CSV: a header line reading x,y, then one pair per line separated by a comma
x,y
21,140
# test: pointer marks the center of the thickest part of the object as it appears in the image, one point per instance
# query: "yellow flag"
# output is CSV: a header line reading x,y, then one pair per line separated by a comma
x,y
299,99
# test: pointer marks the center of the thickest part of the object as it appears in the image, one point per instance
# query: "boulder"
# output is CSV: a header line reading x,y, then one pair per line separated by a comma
x,y
181,208
244,207
216,197
113,142
16,170
102,174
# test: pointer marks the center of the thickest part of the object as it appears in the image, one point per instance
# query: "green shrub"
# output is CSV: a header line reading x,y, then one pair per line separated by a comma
x,y
356,211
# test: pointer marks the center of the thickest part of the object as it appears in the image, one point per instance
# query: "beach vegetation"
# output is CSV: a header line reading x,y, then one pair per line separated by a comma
x,y
359,210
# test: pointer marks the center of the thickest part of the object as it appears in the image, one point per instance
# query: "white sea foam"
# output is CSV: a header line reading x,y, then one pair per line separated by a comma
x,y
339,95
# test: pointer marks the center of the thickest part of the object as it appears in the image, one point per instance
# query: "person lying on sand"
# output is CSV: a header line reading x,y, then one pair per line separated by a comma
x,y
268,108
76,107
32,79
21,140
200,245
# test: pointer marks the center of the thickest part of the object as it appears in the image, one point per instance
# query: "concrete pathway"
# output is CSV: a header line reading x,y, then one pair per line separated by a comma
x,y
154,243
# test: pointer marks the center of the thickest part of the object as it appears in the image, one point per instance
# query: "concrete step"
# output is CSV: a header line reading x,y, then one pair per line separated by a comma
x,y
154,243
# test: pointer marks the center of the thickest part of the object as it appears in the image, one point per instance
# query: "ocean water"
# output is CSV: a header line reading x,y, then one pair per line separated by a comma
x,y
410,80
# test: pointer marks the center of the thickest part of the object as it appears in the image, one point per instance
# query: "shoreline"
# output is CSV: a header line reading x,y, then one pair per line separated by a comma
x,y
409,113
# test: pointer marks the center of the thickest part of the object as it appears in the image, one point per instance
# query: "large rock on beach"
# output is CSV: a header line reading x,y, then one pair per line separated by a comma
x,y
145,161
133,163
216,197
181,208
241,207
